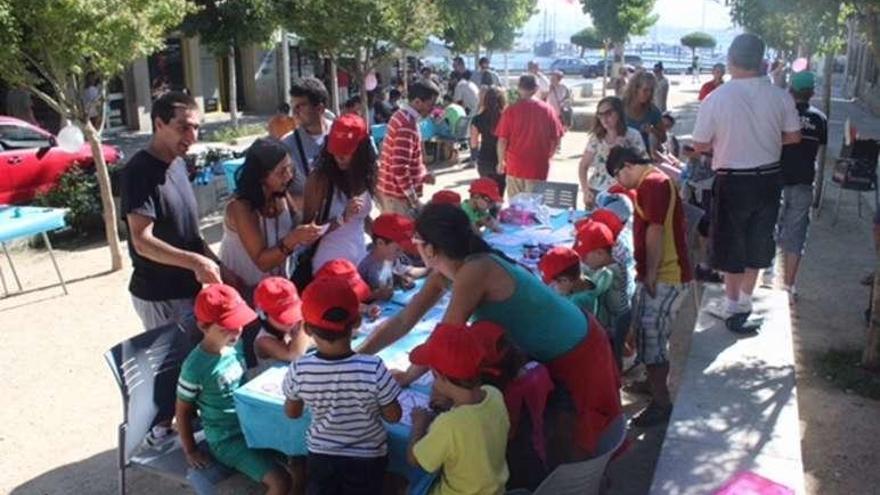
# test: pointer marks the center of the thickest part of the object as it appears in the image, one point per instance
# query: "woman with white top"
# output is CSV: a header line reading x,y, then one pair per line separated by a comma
x,y
340,191
260,231
609,130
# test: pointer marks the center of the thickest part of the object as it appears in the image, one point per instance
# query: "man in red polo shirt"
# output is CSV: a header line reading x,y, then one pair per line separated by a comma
x,y
402,169
662,269
528,134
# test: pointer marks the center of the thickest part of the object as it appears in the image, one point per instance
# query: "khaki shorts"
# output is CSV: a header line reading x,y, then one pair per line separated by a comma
x,y
515,186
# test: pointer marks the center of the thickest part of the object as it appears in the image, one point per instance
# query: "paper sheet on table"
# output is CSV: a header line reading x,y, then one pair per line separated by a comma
x,y
409,400
531,235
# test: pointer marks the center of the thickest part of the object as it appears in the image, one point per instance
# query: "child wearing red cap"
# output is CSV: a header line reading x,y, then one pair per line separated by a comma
x,y
346,393
446,196
561,269
466,444
383,265
210,374
280,338
593,243
344,269
484,197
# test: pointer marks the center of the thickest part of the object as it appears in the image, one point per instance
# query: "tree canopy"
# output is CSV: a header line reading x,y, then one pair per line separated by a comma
x,y
698,40
617,20
468,25
587,38
221,24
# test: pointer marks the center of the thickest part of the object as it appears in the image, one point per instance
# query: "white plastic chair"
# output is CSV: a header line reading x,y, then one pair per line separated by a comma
x,y
585,477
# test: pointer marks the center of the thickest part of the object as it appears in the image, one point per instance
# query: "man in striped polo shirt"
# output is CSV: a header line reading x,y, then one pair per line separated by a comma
x,y
402,170
347,394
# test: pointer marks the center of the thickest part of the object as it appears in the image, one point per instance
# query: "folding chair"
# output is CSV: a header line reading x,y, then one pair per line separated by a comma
x,y
861,157
558,194
146,368
585,477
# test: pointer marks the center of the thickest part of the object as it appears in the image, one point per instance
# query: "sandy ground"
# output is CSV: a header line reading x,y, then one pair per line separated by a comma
x,y
62,406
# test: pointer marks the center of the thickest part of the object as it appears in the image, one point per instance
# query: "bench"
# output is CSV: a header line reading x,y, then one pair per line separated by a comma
x,y
736,408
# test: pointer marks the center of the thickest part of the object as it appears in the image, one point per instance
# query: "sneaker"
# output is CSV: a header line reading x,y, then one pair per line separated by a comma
x,y
652,415
640,387
704,274
739,323
768,277
159,436
719,309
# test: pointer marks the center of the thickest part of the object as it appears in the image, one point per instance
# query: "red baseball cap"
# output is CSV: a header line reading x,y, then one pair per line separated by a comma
x,y
556,261
488,334
345,270
394,227
487,187
326,296
279,299
593,235
609,218
446,197
346,133
221,304
452,351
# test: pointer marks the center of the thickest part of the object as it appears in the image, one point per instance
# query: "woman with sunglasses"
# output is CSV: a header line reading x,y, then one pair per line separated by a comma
x,y
609,130
548,327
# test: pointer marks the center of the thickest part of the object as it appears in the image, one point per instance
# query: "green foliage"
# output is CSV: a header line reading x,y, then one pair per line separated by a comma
x,y
469,25
224,23
76,190
65,40
698,40
587,38
229,133
364,32
617,20
811,25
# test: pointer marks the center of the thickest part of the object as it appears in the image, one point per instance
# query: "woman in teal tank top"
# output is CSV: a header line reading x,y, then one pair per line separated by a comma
x,y
545,325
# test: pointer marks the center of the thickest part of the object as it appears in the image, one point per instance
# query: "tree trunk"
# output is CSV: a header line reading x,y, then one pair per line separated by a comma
x,y
107,205
828,76
334,86
605,70
871,354
285,68
233,89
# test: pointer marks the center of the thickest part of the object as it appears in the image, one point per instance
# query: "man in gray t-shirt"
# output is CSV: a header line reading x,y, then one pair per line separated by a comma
x,y
309,100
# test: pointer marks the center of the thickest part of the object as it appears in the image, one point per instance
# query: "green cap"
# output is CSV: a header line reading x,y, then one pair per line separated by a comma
x,y
803,80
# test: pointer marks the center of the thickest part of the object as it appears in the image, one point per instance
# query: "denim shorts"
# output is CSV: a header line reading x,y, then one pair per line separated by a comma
x,y
794,218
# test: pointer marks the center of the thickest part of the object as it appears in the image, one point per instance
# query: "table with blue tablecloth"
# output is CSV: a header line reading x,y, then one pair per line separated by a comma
x,y
17,222
260,402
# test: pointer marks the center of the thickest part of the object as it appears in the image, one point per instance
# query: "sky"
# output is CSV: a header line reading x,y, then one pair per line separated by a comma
x,y
676,17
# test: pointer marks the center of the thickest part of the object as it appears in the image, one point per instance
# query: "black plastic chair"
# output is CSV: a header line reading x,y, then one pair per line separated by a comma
x,y
855,170
558,194
146,368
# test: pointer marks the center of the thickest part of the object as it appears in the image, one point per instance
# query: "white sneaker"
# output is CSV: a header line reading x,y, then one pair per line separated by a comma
x,y
719,309
158,436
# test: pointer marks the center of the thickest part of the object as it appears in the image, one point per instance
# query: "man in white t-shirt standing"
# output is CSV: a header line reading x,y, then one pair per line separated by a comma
x,y
467,94
744,123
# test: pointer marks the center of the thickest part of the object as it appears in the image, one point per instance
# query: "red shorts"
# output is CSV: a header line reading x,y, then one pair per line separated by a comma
x,y
590,375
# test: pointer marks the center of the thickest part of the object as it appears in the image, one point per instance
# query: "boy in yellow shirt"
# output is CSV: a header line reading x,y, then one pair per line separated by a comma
x,y
468,443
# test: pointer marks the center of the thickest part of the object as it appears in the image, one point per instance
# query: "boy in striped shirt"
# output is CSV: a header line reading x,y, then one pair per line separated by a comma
x,y
402,169
348,394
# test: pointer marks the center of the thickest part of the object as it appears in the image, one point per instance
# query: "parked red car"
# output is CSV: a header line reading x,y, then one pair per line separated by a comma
x,y
31,161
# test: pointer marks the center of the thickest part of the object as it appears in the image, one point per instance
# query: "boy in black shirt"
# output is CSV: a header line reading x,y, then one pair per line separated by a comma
x,y
798,174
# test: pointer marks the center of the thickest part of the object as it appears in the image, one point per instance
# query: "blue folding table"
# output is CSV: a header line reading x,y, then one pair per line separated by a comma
x,y
25,221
